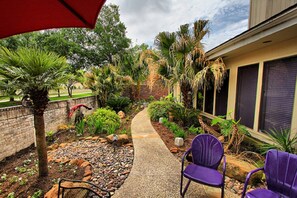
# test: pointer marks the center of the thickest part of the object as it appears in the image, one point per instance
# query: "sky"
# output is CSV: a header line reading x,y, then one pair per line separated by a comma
x,y
144,19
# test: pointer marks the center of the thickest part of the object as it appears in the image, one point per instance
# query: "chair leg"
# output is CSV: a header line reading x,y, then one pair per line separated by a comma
x,y
223,190
186,188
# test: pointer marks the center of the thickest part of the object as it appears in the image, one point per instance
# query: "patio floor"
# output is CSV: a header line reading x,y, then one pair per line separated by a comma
x,y
155,171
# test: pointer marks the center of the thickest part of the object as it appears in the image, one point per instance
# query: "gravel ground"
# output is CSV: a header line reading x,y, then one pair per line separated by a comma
x,y
111,165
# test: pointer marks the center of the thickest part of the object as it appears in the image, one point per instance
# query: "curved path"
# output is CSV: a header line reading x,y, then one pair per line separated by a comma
x,y
155,171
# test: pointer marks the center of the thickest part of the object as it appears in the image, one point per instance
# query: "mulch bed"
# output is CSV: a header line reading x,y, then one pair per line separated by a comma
x,y
168,138
22,174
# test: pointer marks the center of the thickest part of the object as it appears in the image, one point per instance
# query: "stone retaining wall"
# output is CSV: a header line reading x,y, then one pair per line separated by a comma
x,y
17,123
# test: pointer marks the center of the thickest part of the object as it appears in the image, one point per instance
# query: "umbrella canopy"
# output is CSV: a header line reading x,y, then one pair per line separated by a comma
x,y
29,15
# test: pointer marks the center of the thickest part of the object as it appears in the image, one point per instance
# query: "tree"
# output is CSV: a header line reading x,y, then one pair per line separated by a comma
x,y
8,88
34,72
130,64
104,82
181,59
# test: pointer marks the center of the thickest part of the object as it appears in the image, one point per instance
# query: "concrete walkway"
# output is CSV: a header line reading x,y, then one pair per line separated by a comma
x,y
156,172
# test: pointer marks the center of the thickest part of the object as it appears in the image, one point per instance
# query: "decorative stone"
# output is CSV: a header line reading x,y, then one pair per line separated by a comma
x,y
173,150
179,141
121,139
52,193
121,114
238,169
161,120
85,164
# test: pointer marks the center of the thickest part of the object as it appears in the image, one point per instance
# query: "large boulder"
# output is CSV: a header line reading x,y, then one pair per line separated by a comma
x,y
238,169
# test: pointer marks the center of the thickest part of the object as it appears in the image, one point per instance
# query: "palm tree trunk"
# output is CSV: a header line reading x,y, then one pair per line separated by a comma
x,y
41,144
138,90
187,95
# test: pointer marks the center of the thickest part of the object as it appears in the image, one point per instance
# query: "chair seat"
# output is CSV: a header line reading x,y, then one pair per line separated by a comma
x,y
203,175
263,193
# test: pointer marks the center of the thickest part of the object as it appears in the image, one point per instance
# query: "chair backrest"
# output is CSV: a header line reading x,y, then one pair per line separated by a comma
x,y
281,172
207,151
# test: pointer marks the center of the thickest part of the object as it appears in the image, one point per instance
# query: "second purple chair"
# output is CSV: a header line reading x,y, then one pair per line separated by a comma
x,y
207,153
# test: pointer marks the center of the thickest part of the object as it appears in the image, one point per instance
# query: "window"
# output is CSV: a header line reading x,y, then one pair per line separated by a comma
x,y
246,94
279,82
208,106
222,97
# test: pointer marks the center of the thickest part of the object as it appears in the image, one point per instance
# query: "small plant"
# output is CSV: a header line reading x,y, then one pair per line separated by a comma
x,y
20,169
123,131
11,195
27,161
31,172
13,179
186,117
177,131
282,140
232,129
195,130
3,177
80,127
37,194
95,126
22,181
180,133
56,180
50,136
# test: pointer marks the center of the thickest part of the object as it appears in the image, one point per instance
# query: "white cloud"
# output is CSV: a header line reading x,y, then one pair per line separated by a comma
x,y
144,19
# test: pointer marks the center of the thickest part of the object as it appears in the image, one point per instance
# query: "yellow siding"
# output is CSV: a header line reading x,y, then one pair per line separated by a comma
x,y
274,51
260,10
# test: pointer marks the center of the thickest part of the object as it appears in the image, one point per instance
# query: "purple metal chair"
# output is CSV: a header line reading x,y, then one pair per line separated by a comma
x,y
207,153
280,170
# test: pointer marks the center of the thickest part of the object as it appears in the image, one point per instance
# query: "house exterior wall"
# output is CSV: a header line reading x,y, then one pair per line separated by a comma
x,y
260,10
272,52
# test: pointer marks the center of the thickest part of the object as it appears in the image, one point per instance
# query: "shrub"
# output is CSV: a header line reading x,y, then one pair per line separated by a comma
x,y
186,117
195,130
159,109
80,128
118,103
103,120
282,140
176,130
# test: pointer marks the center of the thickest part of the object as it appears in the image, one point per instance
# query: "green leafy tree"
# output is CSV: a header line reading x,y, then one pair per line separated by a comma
x,y
35,72
8,88
181,60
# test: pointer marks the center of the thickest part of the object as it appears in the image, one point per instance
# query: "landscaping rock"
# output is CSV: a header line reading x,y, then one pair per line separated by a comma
x,y
109,168
53,192
178,141
121,114
122,139
173,150
238,169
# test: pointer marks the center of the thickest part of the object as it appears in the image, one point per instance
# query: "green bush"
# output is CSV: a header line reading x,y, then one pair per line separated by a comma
x,y
103,121
195,130
159,109
186,117
176,130
118,103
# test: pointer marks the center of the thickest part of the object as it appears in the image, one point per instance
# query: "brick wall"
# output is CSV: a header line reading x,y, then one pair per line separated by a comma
x,y
158,91
17,124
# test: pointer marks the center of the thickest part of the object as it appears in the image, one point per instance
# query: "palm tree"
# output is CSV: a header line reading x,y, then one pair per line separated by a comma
x,y
34,72
181,59
130,65
104,81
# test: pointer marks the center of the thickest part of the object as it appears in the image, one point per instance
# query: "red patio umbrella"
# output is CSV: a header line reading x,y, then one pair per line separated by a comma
x,y
20,16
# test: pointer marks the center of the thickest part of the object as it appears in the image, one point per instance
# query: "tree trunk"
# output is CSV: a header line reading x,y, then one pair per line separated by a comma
x,y
41,145
138,90
11,98
59,94
187,95
69,89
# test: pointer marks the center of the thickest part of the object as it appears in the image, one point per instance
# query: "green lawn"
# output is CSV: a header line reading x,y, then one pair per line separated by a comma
x,y
5,103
